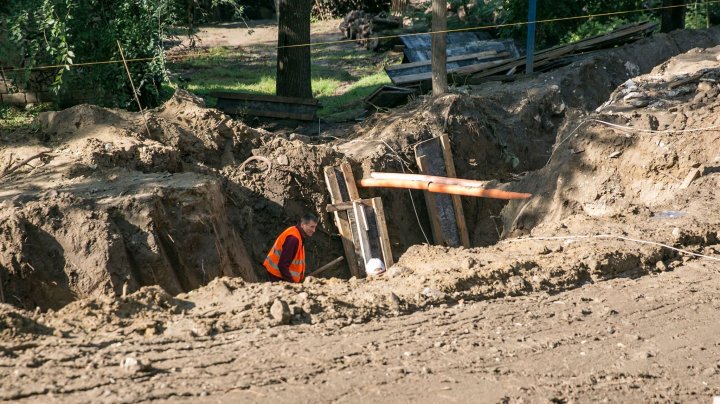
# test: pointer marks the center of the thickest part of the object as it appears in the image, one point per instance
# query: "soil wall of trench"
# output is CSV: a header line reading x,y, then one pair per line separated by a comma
x,y
112,206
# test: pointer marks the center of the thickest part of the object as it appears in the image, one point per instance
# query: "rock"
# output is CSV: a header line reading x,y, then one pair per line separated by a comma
x,y
395,271
704,86
280,312
660,266
283,160
133,365
709,371
677,233
393,301
614,154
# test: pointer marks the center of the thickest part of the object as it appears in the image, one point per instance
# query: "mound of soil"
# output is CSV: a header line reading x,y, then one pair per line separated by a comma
x,y
181,195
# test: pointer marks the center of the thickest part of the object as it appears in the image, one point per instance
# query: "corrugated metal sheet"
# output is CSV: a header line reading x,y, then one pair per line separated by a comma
x,y
418,47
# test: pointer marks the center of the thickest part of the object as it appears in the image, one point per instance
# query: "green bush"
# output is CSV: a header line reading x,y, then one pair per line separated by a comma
x,y
75,34
339,8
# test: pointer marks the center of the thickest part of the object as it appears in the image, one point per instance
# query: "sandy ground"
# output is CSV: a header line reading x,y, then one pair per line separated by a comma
x,y
652,339
260,33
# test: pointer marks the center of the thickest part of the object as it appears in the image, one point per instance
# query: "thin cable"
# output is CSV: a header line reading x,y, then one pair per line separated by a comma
x,y
403,162
667,131
479,27
631,129
612,236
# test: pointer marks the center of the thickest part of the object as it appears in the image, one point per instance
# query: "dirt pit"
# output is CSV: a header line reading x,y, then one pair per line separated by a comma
x,y
131,234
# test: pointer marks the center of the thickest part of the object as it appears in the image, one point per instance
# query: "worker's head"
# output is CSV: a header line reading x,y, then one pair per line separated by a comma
x,y
308,224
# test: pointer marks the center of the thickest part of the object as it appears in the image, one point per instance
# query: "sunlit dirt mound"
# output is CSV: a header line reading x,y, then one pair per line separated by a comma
x,y
181,195
121,200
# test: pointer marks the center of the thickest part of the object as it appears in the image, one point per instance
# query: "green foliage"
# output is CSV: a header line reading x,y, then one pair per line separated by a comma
x,y
338,8
702,14
13,117
341,76
72,35
556,32
593,27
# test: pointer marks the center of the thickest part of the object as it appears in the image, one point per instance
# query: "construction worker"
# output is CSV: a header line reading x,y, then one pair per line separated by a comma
x,y
286,259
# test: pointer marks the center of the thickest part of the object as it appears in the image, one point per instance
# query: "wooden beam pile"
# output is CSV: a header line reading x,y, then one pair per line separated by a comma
x,y
477,67
361,222
555,57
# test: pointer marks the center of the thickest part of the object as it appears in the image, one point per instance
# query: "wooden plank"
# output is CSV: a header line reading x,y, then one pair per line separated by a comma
x,y
348,193
350,181
342,222
431,161
457,202
479,55
240,110
412,78
336,207
422,163
694,174
544,57
383,233
362,227
264,97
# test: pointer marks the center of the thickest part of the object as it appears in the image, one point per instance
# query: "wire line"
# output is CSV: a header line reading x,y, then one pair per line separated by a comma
x,y
311,44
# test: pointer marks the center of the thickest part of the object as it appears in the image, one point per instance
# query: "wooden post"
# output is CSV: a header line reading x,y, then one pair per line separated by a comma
x,y
439,47
363,227
342,221
422,162
530,53
446,213
382,232
457,201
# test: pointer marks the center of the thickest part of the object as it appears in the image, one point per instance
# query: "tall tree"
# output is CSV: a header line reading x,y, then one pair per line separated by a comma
x,y
672,18
293,62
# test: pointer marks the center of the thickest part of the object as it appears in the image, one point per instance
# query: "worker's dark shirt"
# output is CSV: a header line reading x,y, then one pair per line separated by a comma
x,y
289,249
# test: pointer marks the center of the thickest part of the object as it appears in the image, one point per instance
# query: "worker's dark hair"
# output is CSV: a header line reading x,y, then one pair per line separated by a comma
x,y
308,217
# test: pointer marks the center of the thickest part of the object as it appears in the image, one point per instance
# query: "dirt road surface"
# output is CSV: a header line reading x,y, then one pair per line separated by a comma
x,y
651,339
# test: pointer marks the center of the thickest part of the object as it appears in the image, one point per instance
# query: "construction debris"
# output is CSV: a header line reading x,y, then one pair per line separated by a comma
x,y
560,55
269,106
361,222
389,97
463,49
362,26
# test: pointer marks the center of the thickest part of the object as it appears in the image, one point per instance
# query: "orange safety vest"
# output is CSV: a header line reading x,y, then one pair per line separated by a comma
x,y
297,267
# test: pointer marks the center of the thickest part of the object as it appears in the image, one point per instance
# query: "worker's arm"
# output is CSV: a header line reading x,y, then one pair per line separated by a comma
x,y
288,253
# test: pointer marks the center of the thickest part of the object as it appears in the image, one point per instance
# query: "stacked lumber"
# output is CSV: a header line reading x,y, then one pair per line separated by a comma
x,y
362,26
558,56
476,67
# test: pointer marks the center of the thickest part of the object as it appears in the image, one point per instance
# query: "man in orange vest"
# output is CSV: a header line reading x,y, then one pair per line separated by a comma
x,y
286,259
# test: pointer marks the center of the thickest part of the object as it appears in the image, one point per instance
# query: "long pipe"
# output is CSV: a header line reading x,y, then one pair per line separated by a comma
x,y
429,178
442,188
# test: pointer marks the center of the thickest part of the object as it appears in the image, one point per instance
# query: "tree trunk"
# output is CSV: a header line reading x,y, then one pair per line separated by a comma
x,y
672,18
293,63
439,48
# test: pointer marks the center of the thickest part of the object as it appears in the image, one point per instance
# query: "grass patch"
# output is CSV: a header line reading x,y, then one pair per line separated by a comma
x,y
341,75
16,118
349,103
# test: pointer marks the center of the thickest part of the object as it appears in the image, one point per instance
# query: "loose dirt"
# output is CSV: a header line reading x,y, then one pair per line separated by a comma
x,y
131,255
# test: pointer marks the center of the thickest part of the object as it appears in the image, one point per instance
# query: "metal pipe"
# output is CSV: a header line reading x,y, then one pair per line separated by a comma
x,y
429,178
442,188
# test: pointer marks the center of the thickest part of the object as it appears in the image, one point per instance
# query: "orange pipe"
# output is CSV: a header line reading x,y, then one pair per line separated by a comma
x,y
429,178
442,188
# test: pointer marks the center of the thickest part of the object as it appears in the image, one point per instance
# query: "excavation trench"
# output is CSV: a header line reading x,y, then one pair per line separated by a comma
x,y
113,208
